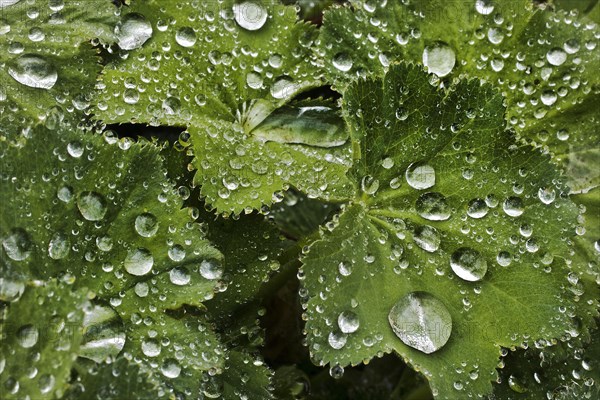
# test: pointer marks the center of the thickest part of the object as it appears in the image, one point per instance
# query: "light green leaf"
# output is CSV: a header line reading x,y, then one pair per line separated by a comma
x,y
221,74
448,204
40,340
49,68
544,62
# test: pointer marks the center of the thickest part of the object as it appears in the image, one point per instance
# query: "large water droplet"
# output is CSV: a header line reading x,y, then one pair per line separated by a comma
x,y
151,348
11,289
17,245
179,276
337,340
185,37
513,206
283,87
6,3
92,206
59,246
433,206
146,225
33,71
27,336
250,15
484,7
556,56
46,383
139,261
103,334
421,321
170,368
348,322
133,31
342,61
427,238
369,185
211,269
439,58
546,195
420,176
477,208
468,264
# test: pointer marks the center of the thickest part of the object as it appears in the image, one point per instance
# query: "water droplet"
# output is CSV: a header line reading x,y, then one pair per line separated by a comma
x,y
439,58
345,268
484,7
176,253
46,383
401,114
146,225
348,322
185,37
336,371
180,276
171,105
33,71
59,246
141,289
513,206
369,185
211,269
139,261
421,321
420,176
133,31
254,80
515,385
477,208
504,258
549,97
11,289
92,206
7,3
170,368
546,195
27,336
433,206
151,348
337,340
427,238
468,264
556,56
342,61
65,194
17,245
131,96
103,334
250,15
283,87
75,149
387,163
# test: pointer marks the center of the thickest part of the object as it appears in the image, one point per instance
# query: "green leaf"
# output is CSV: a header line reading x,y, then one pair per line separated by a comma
x,y
104,216
221,75
40,340
448,204
49,67
244,377
544,62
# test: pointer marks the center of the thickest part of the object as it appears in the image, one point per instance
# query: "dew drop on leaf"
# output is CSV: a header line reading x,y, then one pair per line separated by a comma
x,y
185,37
92,206
336,371
103,334
46,383
33,71
468,264
150,348
176,252
170,368
146,225
17,245
556,56
11,289
504,258
250,15
369,185
348,322
427,238
337,339
546,195
65,194
141,289
211,269
59,246
283,87
433,206
421,321
477,208
345,268
179,276
75,149
27,336
439,58
7,3
513,206
420,176
484,7
139,261
342,61
133,31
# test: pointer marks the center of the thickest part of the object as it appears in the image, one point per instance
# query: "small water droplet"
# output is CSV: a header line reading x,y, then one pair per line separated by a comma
x,y
170,368
477,208
151,348
185,37
46,383
427,238
556,56
141,289
421,321
468,264
179,276
439,58
33,71
250,15
92,206
345,268
139,261
369,185
17,245
337,340
420,176
547,195
433,206
176,253
342,61
146,225
336,371
65,194
348,322
59,246
504,258
211,269
513,206
133,31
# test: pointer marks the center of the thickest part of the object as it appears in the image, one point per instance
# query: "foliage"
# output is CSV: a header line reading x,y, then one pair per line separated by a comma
x,y
254,199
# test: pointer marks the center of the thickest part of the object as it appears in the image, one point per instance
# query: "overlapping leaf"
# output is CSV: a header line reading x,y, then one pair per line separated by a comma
x,y
220,69
437,175
48,67
545,62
